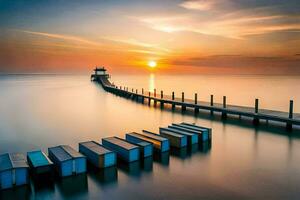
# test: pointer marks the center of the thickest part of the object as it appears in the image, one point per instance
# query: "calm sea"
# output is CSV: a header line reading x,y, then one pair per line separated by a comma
x,y
243,162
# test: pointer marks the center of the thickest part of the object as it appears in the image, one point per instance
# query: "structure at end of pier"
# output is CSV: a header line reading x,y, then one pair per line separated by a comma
x,y
99,72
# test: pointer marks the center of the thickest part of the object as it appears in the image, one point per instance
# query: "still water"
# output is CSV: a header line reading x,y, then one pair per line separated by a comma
x,y
40,111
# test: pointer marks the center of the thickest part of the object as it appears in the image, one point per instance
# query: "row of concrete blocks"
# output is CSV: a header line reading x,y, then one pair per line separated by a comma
x,y
14,167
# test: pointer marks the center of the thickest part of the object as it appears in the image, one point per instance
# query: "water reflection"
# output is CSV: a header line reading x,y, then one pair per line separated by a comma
x,y
22,192
104,177
132,169
162,158
147,164
73,186
179,152
151,82
205,147
193,149
43,183
189,151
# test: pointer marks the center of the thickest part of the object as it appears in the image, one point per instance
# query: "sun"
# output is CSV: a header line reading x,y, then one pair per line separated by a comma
x,y
152,64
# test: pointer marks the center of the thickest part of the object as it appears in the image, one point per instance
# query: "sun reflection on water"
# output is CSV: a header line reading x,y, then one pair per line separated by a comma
x,y
151,82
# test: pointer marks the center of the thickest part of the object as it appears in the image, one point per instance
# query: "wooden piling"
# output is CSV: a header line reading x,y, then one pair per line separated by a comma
x,y
289,125
211,103
161,97
183,107
196,102
224,114
142,95
256,105
256,119
136,95
149,98
155,98
173,98
291,109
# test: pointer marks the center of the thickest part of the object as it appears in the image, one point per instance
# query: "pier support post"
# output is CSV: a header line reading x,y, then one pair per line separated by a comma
x,y
183,107
121,91
289,125
154,97
132,94
224,114
142,95
211,104
149,99
196,102
136,95
173,98
161,101
256,119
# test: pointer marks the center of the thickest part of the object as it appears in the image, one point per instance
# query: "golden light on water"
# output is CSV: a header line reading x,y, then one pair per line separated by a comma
x,y
152,64
151,82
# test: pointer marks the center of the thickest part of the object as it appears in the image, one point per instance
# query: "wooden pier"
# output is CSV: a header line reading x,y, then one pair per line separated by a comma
x,y
289,118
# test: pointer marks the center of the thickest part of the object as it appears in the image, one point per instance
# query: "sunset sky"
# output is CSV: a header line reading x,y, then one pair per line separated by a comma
x,y
197,36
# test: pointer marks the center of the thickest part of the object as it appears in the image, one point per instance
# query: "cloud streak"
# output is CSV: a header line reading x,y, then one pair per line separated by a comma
x,y
145,48
61,37
201,5
234,26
